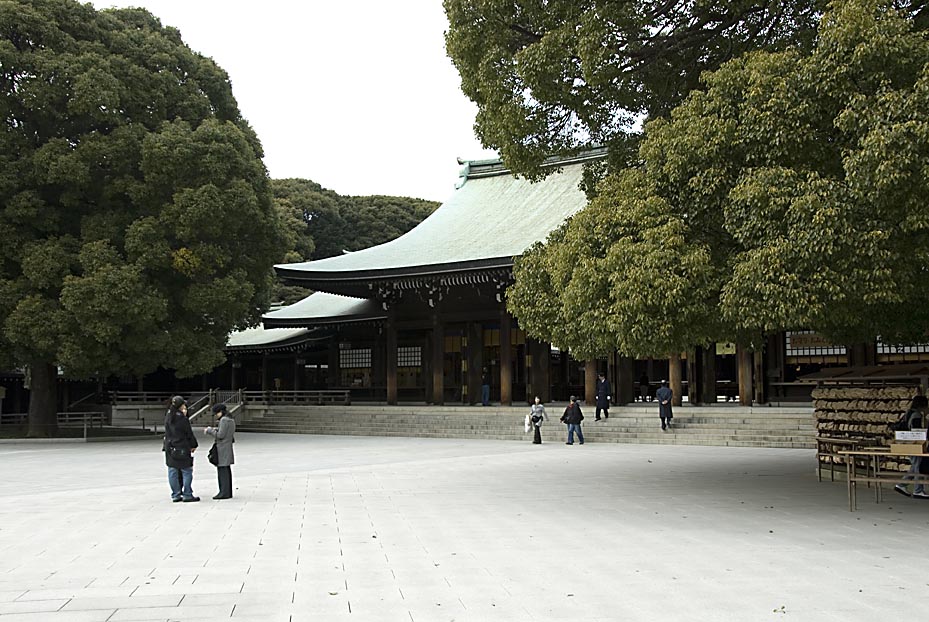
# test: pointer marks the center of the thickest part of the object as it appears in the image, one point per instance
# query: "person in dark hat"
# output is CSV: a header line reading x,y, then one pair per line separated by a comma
x,y
224,433
573,417
180,445
604,394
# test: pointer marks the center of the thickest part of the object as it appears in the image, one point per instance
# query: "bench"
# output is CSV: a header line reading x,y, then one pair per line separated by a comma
x,y
874,475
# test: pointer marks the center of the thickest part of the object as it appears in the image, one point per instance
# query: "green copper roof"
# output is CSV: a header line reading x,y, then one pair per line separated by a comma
x,y
490,219
322,308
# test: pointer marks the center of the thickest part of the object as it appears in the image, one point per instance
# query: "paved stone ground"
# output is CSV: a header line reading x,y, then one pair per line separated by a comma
x,y
422,530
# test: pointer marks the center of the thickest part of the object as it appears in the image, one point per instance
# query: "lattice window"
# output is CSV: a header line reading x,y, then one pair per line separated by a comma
x,y
409,356
808,343
357,358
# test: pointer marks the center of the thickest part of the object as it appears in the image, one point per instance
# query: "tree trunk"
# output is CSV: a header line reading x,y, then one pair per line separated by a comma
x,y
745,358
674,378
43,400
590,382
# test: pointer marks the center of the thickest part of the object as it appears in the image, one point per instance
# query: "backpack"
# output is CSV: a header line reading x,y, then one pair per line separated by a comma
x,y
902,424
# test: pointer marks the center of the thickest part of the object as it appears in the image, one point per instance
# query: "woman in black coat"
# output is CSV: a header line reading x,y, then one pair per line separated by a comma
x,y
180,445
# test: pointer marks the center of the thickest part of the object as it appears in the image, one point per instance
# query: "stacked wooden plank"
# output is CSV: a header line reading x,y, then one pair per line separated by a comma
x,y
862,414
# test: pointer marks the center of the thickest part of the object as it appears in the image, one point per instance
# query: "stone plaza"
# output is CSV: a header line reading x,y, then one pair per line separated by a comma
x,y
422,530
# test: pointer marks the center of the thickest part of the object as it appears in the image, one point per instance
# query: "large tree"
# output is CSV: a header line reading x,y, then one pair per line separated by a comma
x,y
136,215
553,77
790,193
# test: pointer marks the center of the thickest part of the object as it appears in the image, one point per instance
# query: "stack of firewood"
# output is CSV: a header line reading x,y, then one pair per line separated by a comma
x,y
863,414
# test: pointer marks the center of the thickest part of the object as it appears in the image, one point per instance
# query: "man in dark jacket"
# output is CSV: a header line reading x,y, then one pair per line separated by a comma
x,y
180,445
573,417
603,396
665,395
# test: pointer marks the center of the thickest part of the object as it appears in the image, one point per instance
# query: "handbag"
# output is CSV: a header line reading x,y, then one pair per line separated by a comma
x,y
213,456
179,453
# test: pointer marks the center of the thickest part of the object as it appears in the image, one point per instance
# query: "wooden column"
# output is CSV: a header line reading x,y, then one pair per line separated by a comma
x,y
298,373
391,355
438,361
475,361
265,373
333,375
745,359
233,376
590,381
624,387
506,359
674,379
379,365
709,374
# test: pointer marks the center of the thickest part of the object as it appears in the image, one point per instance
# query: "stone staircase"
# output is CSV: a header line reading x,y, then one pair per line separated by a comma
x,y
720,425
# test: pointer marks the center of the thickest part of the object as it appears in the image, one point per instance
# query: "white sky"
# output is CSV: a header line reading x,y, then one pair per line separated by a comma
x,y
357,95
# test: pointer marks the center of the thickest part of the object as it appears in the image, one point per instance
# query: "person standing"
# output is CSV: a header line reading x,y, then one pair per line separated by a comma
x,y
604,394
916,417
180,445
485,388
536,417
224,434
664,395
573,417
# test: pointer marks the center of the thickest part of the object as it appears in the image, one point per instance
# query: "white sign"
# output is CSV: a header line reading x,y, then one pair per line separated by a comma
x,y
912,435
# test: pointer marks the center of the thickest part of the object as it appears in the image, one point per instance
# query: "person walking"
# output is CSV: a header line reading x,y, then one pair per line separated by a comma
x,y
573,417
179,446
603,396
224,433
485,388
536,417
664,395
917,417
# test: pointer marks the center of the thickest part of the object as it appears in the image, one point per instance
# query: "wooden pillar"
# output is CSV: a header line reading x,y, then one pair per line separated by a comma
x,y
299,362
624,388
475,361
745,359
333,375
391,354
674,379
438,361
379,365
590,381
265,373
709,374
506,359
233,379
862,354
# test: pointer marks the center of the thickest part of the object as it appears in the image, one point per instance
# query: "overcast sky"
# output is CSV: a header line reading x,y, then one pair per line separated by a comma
x,y
357,95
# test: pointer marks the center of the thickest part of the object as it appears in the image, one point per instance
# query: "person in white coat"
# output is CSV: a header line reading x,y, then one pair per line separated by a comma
x,y
224,433
536,418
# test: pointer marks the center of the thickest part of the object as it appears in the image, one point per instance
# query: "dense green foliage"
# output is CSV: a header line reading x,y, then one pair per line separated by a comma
x,y
321,223
136,215
328,223
551,77
790,193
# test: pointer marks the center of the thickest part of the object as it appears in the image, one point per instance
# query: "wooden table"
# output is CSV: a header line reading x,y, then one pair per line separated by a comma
x,y
873,472
826,447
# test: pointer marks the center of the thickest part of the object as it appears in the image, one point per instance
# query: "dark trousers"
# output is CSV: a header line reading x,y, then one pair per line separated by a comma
x,y
665,422
224,474
606,412
537,439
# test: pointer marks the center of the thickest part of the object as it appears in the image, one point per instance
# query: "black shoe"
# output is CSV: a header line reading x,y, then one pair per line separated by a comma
x,y
597,419
191,499
222,497
569,443
176,499
581,443
903,491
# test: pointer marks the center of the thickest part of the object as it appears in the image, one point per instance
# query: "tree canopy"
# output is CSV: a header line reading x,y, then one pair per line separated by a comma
x,y
788,193
135,211
551,77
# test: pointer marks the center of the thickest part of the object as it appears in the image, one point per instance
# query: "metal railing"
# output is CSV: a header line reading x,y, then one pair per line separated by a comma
x,y
318,398
87,420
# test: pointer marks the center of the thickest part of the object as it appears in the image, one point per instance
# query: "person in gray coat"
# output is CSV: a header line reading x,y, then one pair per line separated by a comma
x,y
224,433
